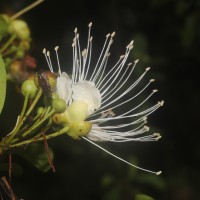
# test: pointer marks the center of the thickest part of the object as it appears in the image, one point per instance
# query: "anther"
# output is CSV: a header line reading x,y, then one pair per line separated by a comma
x,y
75,30
136,61
152,80
158,173
56,48
44,51
108,54
108,35
90,24
146,128
155,90
161,103
147,69
129,64
113,34
131,43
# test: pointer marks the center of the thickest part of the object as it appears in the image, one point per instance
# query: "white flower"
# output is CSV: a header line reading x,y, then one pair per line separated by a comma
x,y
103,90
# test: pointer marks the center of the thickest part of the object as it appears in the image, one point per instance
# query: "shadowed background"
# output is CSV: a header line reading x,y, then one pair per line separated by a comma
x,y
166,35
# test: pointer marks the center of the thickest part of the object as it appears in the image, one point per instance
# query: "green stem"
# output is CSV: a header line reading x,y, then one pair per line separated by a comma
x,y
12,135
7,44
53,135
38,124
9,52
24,106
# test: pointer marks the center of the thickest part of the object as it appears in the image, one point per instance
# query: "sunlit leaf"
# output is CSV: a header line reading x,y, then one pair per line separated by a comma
x,y
36,155
2,83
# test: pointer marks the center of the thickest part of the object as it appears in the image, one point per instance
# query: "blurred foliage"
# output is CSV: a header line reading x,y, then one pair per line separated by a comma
x,y
167,38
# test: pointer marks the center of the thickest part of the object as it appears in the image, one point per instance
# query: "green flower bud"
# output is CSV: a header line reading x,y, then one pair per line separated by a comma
x,y
20,29
20,54
24,45
29,88
79,128
47,100
59,105
39,110
60,119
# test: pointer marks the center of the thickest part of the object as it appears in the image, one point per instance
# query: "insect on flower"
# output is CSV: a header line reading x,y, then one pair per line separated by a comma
x,y
92,97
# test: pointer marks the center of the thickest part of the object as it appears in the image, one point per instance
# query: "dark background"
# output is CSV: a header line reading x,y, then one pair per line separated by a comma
x,y
167,38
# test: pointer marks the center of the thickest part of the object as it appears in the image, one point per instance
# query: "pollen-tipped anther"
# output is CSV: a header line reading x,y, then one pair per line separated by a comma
x,y
154,91
136,61
75,30
158,173
84,52
56,48
108,54
161,103
113,34
157,136
108,35
147,69
152,80
90,24
44,51
129,64
146,128
48,53
131,43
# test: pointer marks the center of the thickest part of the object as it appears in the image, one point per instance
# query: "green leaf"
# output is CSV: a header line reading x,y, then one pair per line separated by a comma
x,y
143,197
3,26
2,83
36,155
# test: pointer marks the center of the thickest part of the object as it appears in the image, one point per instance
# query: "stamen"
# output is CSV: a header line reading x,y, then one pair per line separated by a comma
x,y
157,173
103,56
59,69
47,59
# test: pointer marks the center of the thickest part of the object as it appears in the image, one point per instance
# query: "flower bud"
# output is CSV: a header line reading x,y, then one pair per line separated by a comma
x,y
20,53
20,29
47,81
29,88
24,45
47,100
60,118
79,128
77,111
59,105
39,110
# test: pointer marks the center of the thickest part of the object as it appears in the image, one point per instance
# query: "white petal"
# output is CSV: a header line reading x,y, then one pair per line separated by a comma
x,y
87,92
63,87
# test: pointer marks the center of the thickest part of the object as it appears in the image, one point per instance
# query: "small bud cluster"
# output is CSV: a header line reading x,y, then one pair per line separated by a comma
x,y
15,39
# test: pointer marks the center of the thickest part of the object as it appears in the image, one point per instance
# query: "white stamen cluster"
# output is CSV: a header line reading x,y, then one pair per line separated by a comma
x,y
104,92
